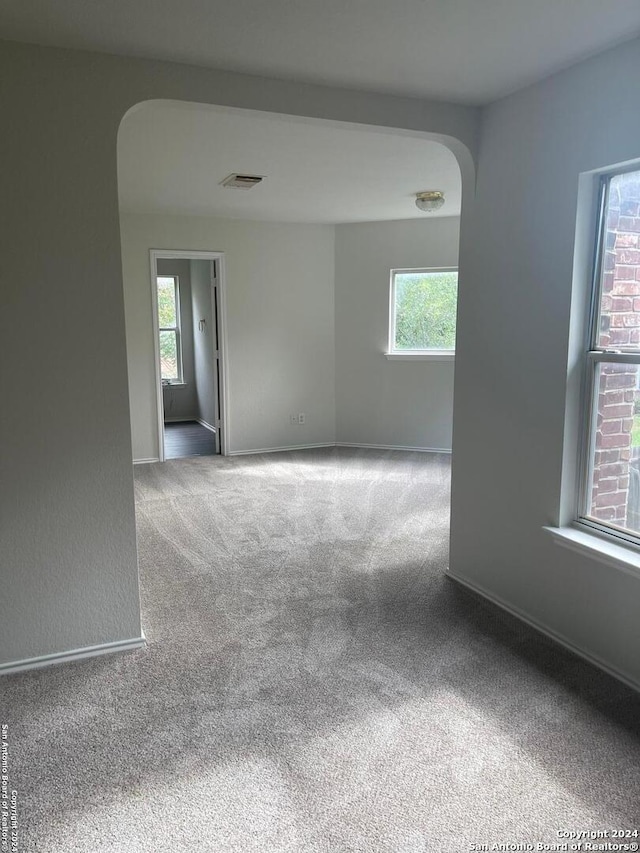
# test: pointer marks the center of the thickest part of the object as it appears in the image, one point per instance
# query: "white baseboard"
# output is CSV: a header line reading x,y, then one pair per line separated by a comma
x,y
308,447
206,425
394,447
548,632
278,449
73,655
194,419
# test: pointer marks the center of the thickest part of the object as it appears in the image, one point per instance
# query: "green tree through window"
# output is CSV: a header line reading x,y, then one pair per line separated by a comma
x,y
425,309
169,329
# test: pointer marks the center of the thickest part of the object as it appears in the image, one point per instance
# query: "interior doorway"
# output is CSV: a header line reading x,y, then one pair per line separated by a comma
x,y
189,340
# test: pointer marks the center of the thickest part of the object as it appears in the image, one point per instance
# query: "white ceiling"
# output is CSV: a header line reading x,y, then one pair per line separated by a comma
x,y
172,157
468,51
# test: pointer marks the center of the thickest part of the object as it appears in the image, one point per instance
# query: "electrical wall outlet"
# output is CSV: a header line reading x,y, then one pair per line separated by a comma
x,y
293,419
302,418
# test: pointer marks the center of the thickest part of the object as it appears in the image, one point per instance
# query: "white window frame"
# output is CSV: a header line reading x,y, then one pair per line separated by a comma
x,y
177,329
394,354
588,538
594,356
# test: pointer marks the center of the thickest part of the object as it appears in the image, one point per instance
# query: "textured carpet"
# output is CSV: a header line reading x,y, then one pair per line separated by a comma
x,y
314,683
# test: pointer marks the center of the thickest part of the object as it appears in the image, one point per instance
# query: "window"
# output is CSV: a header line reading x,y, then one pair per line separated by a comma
x,y
423,313
169,329
610,492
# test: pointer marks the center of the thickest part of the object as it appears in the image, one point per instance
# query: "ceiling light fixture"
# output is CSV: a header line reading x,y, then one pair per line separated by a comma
x,y
429,200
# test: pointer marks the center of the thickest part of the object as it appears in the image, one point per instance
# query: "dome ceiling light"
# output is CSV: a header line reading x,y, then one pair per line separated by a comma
x,y
429,200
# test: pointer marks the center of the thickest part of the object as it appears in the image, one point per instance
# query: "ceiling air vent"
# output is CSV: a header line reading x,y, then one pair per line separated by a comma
x,y
242,182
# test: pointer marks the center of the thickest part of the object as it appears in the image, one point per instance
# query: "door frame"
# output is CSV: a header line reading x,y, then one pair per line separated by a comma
x,y
222,353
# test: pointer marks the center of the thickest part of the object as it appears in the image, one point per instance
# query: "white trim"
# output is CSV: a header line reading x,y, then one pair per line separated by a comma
x,y
153,270
185,254
73,655
205,424
394,447
597,548
278,449
543,629
310,447
422,355
194,419
223,352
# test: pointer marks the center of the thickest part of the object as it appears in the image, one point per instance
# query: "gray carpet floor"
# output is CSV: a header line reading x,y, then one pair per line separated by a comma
x,y
314,683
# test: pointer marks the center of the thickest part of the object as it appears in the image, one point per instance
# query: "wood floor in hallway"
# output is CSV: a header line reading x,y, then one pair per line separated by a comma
x,y
188,438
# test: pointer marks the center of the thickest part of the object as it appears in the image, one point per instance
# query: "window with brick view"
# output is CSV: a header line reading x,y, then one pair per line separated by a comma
x,y
611,496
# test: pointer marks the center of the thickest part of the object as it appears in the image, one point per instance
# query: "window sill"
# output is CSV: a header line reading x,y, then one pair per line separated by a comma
x,y
174,384
421,355
627,559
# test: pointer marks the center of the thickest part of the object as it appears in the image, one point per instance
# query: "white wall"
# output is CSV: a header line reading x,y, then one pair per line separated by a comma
x,y
281,292
398,403
203,340
280,326
68,546
516,263
68,549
